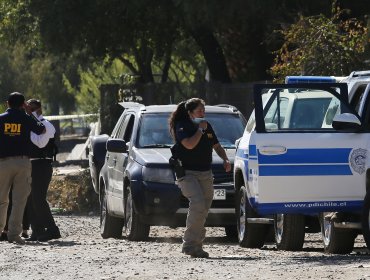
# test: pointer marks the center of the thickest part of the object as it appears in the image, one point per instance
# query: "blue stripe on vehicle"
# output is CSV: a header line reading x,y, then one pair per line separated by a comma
x,y
304,170
340,155
308,207
252,202
252,150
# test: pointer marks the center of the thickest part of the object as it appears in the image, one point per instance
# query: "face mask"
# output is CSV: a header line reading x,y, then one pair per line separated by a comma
x,y
198,120
35,114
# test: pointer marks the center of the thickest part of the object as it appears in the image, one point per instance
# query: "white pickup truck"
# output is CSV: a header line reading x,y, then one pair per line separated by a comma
x,y
302,164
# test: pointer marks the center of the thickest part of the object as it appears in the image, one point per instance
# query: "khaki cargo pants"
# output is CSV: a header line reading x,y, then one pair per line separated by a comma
x,y
14,171
197,186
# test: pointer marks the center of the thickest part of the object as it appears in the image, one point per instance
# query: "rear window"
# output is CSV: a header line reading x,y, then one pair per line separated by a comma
x,y
309,113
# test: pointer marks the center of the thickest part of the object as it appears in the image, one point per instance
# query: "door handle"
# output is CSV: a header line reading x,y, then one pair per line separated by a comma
x,y
272,150
114,161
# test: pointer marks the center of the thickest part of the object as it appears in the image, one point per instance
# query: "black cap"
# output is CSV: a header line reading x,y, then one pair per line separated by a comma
x,y
15,100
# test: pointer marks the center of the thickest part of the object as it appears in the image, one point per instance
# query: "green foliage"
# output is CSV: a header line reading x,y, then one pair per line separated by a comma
x,y
35,74
3,107
317,45
87,92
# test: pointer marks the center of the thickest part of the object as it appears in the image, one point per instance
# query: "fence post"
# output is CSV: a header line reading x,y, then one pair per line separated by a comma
x,y
109,108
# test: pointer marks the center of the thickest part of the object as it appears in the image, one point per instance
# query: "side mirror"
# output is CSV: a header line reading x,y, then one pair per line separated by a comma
x,y
346,122
116,146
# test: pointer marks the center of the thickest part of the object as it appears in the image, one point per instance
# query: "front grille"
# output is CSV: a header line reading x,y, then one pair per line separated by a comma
x,y
220,175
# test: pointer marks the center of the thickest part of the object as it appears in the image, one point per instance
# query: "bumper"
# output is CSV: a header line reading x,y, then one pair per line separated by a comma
x,y
163,204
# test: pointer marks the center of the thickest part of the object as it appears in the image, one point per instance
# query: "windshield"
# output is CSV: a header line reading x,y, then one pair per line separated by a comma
x,y
154,131
228,128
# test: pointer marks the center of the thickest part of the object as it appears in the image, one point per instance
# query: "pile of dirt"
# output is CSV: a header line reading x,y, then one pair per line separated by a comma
x,y
73,192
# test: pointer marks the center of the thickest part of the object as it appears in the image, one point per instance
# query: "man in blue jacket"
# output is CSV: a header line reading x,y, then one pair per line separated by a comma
x,y
15,165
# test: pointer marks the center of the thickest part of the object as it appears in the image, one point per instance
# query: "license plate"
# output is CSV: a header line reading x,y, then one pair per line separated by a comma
x,y
219,194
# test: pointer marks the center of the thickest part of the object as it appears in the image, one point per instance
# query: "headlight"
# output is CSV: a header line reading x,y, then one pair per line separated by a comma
x,y
160,175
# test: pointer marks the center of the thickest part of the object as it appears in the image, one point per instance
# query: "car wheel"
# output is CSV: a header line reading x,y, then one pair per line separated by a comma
x,y
231,233
249,235
109,226
289,231
336,240
134,228
365,220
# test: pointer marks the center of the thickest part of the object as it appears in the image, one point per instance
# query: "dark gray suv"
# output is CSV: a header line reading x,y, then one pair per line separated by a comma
x,y
136,185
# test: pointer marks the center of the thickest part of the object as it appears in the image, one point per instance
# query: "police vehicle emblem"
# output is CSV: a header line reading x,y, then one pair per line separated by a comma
x,y
357,160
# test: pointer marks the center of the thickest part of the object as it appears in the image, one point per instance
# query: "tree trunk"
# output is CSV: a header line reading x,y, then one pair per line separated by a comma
x,y
213,54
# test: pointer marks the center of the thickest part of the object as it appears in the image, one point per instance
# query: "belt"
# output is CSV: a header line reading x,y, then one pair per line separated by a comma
x,y
13,157
41,158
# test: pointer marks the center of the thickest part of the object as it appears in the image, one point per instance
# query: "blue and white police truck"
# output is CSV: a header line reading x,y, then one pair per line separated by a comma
x,y
302,163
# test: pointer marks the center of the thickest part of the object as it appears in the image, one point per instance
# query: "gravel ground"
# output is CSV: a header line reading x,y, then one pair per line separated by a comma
x,y
82,254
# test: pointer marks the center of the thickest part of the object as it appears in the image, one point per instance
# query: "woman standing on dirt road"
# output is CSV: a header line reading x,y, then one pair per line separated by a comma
x,y
195,140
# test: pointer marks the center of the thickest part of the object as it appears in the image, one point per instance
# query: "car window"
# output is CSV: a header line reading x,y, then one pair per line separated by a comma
x,y
358,96
129,127
154,130
333,110
276,113
228,127
310,110
125,130
117,129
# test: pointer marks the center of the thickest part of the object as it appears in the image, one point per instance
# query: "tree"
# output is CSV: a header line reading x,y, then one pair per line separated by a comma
x,y
318,45
145,30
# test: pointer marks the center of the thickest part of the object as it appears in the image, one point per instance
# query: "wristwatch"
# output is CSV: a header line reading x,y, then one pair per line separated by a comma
x,y
201,130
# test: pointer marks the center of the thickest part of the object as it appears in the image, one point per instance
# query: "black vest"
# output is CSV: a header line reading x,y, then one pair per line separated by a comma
x,y
46,152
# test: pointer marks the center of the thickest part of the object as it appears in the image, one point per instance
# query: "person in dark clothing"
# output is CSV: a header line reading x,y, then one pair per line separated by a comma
x,y
15,166
42,151
196,141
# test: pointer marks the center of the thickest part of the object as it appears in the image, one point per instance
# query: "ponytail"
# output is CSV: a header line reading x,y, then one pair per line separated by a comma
x,y
179,114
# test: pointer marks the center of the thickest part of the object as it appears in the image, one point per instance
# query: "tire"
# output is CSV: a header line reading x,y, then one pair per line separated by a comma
x,y
365,220
336,240
109,226
249,235
289,231
135,230
231,233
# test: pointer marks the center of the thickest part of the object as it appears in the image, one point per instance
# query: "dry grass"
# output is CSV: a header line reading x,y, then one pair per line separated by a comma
x,y
73,193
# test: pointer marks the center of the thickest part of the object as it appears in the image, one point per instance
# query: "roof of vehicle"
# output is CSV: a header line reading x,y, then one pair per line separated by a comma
x,y
222,108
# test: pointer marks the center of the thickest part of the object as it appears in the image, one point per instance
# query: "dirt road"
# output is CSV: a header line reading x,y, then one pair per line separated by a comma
x,y
83,254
